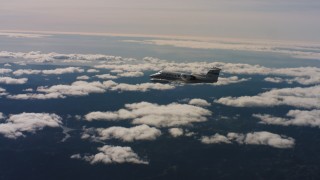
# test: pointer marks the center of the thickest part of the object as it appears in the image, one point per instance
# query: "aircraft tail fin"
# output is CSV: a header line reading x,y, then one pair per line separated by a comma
x,y
213,74
213,71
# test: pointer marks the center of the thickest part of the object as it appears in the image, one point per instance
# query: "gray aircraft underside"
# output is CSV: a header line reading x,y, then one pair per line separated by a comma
x,y
165,76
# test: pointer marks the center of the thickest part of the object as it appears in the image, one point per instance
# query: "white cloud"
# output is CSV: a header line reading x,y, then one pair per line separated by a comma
x,y
78,88
173,114
116,71
199,102
215,139
254,138
5,71
137,87
85,77
270,139
10,80
112,154
76,156
3,92
2,116
274,79
27,96
26,71
297,97
93,71
131,74
7,65
23,35
106,76
230,80
297,118
18,124
141,132
28,90
176,132
63,70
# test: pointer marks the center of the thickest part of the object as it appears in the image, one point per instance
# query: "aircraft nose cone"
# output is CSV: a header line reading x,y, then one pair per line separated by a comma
x,y
153,75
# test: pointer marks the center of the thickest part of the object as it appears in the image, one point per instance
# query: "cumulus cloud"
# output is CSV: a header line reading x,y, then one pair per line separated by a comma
x,y
26,71
297,97
2,116
274,79
199,102
173,114
230,80
63,70
141,132
18,124
7,65
5,71
138,87
93,71
78,88
106,76
3,92
112,154
130,74
296,118
83,77
254,138
176,132
215,139
36,96
10,80
270,139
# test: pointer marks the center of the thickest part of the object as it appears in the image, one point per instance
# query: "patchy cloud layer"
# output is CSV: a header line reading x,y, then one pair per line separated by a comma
x,y
173,114
37,56
56,71
112,154
16,125
297,97
142,132
297,50
128,67
255,138
296,118
83,88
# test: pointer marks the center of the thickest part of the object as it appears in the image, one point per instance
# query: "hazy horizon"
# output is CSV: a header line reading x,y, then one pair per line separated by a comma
x,y
285,20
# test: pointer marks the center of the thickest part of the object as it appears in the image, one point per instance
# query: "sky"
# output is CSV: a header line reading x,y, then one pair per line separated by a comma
x,y
280,20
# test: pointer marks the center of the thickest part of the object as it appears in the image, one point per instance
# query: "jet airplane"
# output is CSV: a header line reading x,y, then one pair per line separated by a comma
x,y
165,76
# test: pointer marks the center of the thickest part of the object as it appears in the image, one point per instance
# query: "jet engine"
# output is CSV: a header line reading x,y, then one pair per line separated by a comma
x,y
187,77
